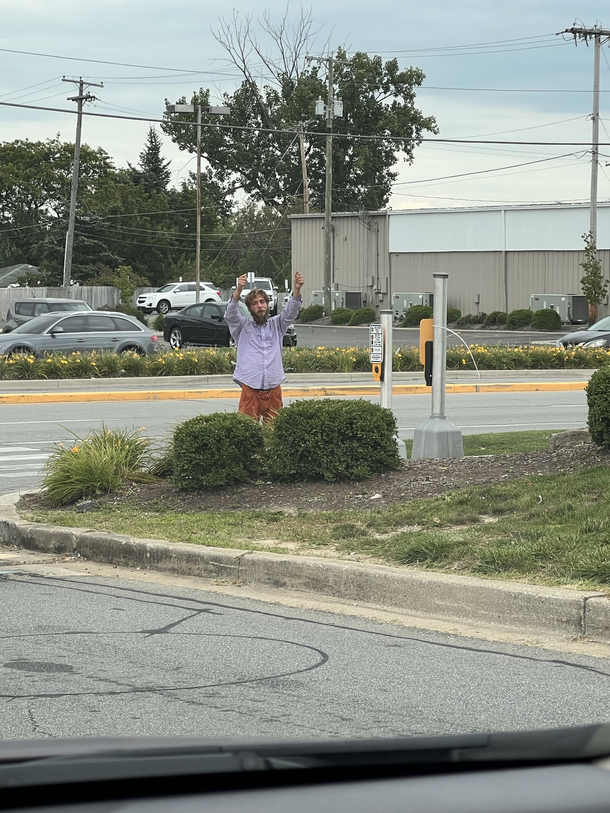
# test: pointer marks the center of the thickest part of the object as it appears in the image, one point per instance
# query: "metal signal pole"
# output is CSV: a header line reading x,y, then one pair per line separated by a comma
x,y
80,99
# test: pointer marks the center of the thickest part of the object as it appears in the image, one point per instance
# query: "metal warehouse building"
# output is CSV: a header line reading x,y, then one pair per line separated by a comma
x,y
496,257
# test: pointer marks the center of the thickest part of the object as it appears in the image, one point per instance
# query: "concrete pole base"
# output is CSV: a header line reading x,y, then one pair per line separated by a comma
x,y
437,438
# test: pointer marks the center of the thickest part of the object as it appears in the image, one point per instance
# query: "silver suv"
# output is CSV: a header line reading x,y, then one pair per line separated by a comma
x,y
22,310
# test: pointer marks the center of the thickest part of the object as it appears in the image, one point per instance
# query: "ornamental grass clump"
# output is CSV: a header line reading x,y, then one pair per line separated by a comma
x,y
97,464
332,440
217,450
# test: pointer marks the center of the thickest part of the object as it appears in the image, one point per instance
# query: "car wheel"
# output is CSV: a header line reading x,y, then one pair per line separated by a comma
x,y
175,338
133,348
21,350
164,306
209,300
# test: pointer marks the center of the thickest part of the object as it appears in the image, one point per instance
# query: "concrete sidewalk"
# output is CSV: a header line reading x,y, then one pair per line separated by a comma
x,y
512,606
297,385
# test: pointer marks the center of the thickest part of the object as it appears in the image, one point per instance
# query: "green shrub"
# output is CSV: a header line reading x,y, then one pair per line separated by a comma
x,y
491,319
479,318
363,316
127,309
158,322
217,450
467,319
453,314
97,464
415,314
501,318
332,440
341,316
311,313
598,401
519,318
546,319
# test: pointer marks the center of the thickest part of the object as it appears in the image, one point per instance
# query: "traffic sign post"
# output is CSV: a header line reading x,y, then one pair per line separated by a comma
x,y
380,355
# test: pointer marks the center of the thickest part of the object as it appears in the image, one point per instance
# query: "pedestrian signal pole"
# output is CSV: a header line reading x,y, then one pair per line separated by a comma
x,y
438,437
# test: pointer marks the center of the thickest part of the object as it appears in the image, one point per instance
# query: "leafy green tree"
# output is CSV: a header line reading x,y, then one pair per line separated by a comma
x,y
593,284
260,153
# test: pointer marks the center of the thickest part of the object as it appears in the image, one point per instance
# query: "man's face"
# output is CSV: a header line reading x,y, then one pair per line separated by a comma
x,y
259,308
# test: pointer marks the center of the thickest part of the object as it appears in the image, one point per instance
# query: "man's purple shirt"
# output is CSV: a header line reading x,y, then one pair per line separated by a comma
x,y
259,347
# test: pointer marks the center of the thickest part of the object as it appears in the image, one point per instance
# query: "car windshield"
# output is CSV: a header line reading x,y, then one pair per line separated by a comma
x,y
603,324
169,287
263,284
38,324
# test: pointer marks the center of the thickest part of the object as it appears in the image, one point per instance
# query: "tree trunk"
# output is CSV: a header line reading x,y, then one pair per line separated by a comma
x,y
592,314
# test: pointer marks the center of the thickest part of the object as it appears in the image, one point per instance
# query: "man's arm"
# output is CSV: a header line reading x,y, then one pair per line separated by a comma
x,y
293,306
232,315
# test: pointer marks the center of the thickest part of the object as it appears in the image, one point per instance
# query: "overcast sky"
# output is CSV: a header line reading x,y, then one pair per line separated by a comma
x,y
495,69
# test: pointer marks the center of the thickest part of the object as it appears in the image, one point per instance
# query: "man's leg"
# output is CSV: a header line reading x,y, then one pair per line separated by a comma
x,y
271,403
249,402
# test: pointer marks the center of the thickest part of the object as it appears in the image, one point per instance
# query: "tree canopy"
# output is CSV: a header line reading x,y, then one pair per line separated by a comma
x,y
256,150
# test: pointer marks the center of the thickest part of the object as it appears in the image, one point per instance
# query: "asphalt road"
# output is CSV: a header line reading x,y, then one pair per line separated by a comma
x,y
29,432
84,655
319,336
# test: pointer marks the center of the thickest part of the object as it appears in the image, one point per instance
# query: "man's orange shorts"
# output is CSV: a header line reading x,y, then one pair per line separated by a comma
x,y
263,404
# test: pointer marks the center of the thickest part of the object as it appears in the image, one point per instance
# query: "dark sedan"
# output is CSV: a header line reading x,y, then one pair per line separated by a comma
x,y
598,335
204,325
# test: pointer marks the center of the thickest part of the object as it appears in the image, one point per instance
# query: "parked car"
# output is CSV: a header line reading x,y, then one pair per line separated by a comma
x,y
82,331
204,325
177,295
266,285
598,335
22,310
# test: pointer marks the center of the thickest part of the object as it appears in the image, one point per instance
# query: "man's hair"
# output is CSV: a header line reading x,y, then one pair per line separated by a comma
x,y
254,294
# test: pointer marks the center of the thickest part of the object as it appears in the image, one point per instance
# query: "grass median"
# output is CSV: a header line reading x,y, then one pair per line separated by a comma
x,y
552,529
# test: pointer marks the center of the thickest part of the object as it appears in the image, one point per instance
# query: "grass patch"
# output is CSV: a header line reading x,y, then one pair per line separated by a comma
x,y
503,442
552,529
523,529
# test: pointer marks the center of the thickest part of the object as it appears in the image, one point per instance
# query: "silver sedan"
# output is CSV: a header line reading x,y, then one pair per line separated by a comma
x,y
83,332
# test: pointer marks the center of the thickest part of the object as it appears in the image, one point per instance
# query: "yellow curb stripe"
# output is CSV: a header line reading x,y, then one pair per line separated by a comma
x,y
288,392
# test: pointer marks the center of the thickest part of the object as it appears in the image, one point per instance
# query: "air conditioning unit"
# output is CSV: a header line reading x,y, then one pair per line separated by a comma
x,y
402,302
573,308
337,298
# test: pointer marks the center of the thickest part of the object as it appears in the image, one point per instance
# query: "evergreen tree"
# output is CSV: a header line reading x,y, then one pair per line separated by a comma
x,y
154,172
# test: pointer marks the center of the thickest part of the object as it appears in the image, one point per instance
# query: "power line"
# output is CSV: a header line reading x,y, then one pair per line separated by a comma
x,y
313,134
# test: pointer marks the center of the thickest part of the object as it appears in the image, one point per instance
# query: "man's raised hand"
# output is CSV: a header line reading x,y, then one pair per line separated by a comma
x,y
298,284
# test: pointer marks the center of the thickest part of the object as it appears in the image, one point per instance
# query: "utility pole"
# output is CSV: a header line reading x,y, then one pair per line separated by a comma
x,y
304,169
80,99
333,108
596,33
198,109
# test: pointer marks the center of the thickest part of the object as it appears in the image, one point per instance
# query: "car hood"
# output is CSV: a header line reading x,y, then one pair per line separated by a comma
x,y
582,336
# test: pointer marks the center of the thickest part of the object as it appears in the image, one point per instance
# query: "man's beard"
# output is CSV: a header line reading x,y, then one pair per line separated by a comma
x,y
261,318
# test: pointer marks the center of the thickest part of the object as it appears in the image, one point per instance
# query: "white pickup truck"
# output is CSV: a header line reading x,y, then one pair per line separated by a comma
x,y
266,285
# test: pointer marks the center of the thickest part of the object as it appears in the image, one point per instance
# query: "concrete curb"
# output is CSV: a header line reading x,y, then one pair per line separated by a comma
x,y
542,610
325,391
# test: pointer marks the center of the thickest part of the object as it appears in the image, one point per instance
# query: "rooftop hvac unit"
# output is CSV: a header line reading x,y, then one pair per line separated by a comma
x,y
402,302
573,308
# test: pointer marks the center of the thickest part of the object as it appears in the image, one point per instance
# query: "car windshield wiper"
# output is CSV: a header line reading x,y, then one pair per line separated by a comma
x,y
162,759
